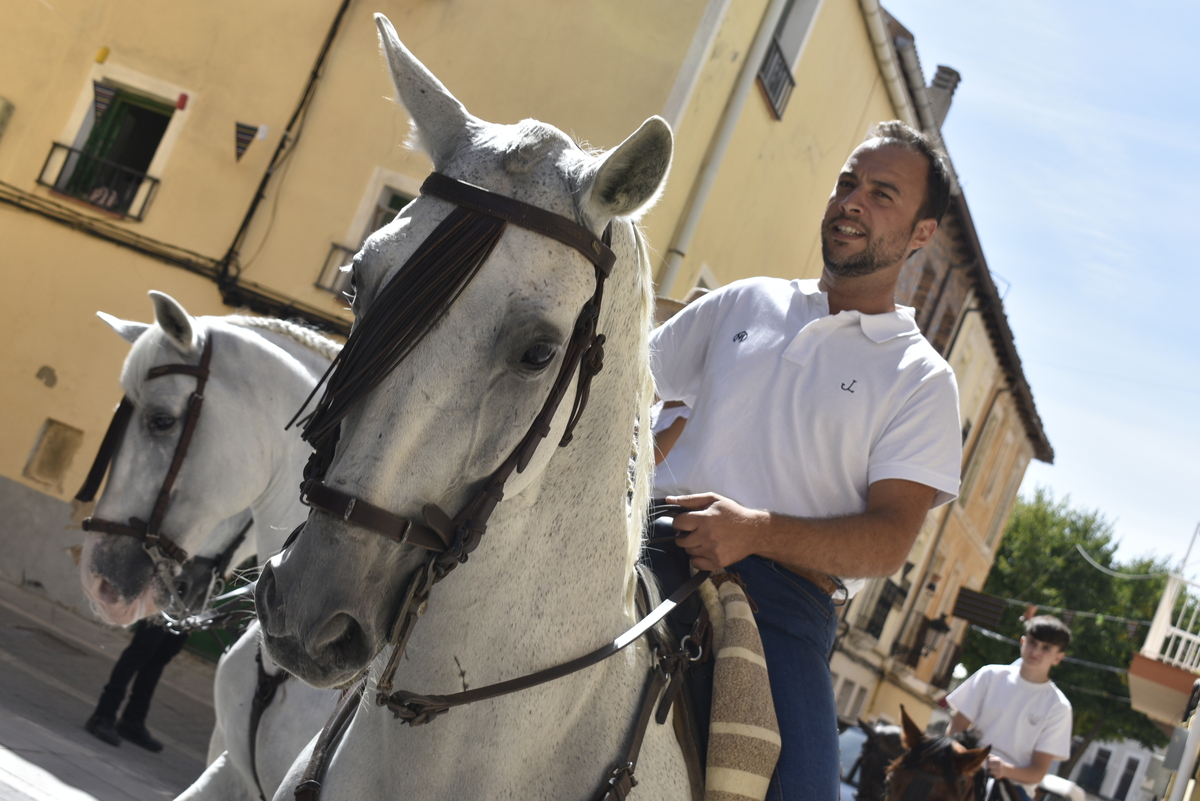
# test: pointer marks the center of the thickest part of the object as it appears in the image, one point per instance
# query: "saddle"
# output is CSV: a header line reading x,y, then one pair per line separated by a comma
x,y
724,716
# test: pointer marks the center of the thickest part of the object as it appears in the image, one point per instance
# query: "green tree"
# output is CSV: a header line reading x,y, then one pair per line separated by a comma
x,y
1038,562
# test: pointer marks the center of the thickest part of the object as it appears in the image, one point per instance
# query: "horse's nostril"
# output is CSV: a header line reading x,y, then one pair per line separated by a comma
x,y
108,593
268,604
342,639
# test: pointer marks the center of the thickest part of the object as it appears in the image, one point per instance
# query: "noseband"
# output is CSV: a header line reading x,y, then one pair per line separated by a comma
x,y
162,550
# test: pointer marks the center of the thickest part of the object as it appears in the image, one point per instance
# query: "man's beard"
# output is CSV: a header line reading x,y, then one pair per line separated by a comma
x,y
878,255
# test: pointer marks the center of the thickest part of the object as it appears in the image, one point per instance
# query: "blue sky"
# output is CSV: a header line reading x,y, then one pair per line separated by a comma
x,y
1076,134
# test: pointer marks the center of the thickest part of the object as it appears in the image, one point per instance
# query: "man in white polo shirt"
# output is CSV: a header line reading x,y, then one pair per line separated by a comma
x,y
823,429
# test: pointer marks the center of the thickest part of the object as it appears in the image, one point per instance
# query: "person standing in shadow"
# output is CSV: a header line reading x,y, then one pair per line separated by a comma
x,y
152,647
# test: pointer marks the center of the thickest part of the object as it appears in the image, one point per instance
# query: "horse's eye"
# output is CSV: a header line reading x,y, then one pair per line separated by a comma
x,y
538,356
161,422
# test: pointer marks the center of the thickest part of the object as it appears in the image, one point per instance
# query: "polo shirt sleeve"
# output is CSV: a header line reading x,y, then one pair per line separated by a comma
x,y
679,349
923,443
970,696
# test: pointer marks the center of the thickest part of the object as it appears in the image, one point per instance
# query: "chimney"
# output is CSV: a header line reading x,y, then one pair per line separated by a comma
x,y
941,92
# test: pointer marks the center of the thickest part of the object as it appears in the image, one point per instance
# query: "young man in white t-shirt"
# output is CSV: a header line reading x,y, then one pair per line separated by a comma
x,y
1017,710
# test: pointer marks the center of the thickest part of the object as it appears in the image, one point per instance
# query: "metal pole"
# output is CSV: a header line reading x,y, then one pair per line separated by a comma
x,y
1188,763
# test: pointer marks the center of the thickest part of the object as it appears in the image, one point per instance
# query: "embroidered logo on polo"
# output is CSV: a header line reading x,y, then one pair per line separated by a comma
x,y
740,336
1035,720
849,388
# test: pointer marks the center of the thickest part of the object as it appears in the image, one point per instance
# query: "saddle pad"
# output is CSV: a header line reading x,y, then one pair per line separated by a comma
x,y
743,742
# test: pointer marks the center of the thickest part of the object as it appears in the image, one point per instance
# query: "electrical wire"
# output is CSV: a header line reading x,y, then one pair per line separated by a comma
x,y
1115,574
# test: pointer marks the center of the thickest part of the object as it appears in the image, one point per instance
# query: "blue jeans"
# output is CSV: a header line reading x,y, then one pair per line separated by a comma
x,y
797,623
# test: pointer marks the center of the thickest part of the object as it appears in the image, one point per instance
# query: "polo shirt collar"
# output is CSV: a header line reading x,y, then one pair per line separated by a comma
x,y
882,327
878,328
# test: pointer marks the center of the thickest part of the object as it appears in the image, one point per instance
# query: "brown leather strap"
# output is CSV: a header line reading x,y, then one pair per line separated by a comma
x,y
137,530
366,515
528,216
416,709
149,532
264,693
108,449
154,524
309,788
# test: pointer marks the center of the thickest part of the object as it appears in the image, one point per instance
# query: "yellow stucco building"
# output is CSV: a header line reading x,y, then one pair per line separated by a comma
x,y
234,155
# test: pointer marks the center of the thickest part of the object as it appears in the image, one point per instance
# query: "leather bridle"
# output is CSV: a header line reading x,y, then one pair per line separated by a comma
x,y
450,541
166,555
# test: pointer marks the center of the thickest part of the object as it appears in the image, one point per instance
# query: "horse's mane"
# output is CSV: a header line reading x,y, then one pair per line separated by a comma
x,y
643,441
302,335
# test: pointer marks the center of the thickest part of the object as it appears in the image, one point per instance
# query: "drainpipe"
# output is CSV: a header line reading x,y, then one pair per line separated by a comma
x,y
889,67
228,266
716,151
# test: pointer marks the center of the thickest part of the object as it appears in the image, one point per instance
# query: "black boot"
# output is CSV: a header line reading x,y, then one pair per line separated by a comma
x,y
103,728
138,734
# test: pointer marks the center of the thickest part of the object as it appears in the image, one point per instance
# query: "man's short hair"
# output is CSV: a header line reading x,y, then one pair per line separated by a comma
x,y
1048,629
937,181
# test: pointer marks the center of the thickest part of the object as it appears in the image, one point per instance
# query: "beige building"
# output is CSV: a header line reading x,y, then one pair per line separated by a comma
x,y
234,155
900,640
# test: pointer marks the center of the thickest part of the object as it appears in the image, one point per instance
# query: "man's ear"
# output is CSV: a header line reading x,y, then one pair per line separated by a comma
x,y
1058,657
923,231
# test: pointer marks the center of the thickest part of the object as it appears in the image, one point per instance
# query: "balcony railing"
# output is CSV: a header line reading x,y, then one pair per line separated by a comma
x,y
775,76
1174,637
99,182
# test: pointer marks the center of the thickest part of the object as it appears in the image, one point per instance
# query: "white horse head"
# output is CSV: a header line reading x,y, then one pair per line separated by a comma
x,y
240,462
442,422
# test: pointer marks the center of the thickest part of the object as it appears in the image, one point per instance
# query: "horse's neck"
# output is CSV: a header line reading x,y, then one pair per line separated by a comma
x,y
278,509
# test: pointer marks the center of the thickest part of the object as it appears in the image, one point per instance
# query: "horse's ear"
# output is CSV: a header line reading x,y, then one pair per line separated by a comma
x,y
441,121
630,176
912,734
867,729
174,321
967,762
128,330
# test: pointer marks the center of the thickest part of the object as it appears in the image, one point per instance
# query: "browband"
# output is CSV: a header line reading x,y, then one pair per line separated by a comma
x,y
524,215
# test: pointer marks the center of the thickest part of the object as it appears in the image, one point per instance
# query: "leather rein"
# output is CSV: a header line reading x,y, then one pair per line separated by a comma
x,y
451,540
164,553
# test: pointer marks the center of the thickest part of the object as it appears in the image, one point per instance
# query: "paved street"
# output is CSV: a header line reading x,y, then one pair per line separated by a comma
x,y
53,664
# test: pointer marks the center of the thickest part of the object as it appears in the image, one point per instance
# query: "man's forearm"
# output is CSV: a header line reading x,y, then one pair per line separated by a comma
x,y
858,546
873,543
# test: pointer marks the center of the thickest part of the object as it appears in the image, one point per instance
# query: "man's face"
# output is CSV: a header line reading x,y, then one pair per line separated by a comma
x,y
870,222
1040,656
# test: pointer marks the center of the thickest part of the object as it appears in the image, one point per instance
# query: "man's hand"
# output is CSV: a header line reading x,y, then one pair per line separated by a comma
x,y
720,531
999,769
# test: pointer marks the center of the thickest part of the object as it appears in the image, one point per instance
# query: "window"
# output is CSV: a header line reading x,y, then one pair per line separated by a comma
x,y
859,700
844,697
775,74
887,599
333,278
107,166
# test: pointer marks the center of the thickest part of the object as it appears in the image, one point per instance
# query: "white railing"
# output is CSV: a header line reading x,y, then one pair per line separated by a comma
x,y
1174,636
